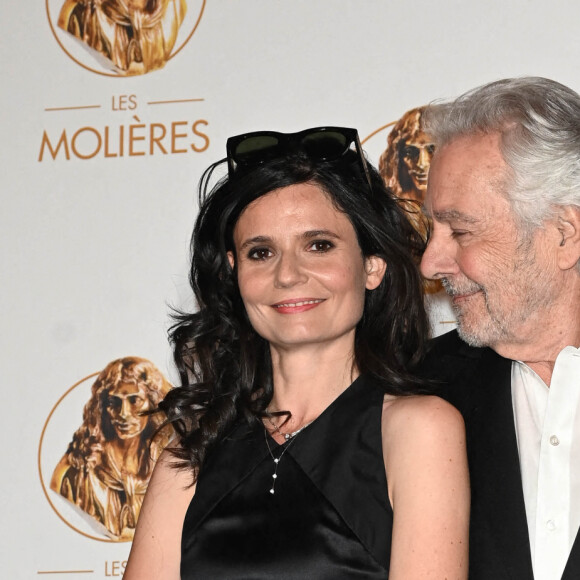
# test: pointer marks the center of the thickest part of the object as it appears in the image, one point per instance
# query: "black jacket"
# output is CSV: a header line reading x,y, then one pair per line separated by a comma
x,y
478,382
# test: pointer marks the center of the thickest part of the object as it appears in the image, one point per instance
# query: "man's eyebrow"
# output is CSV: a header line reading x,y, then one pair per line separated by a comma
x,y
451,215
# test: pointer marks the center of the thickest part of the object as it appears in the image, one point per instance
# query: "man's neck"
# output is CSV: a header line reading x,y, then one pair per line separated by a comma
x,y
541,348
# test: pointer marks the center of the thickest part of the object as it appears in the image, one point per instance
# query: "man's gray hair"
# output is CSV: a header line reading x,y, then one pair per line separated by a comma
x,y
539,124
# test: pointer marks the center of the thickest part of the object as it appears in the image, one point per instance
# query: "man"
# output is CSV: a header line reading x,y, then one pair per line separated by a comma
x,y
504,197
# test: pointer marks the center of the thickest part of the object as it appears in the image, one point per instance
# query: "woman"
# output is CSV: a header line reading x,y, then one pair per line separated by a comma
x,y
302,453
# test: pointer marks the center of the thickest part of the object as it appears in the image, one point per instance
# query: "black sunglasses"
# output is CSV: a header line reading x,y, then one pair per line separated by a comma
x,y
319,143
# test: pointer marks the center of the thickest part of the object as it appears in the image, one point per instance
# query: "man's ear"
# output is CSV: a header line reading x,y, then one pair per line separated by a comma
x,y
375,269
568,224
231,259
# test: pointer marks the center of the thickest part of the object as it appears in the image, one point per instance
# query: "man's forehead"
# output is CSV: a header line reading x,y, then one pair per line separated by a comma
x,y
467,179
470,154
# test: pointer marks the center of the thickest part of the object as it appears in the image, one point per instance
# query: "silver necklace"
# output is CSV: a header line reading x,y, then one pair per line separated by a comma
x,y
288,441
287,436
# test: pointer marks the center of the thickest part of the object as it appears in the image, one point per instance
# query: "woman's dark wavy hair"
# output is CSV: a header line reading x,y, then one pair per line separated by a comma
x,y
224,365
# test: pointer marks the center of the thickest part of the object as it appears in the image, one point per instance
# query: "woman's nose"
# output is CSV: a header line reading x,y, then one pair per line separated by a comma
x,y
289,271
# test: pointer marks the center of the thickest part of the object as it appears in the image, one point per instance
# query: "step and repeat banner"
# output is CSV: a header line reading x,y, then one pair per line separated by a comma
x,y
111,110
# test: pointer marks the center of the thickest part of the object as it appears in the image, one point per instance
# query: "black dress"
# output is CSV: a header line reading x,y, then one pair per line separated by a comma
x,y
329,518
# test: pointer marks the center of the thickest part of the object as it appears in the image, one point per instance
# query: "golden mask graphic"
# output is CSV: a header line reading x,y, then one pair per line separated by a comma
x,y
405,162
136,36
404,165
108,463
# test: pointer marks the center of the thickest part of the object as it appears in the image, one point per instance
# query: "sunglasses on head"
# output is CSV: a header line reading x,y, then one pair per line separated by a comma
x,y
320,144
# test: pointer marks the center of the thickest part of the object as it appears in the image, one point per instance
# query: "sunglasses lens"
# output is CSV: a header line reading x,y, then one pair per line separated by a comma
x,y
256,149
325,144
320,144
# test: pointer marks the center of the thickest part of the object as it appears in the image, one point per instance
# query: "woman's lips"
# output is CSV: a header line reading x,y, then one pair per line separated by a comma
x,y
296,306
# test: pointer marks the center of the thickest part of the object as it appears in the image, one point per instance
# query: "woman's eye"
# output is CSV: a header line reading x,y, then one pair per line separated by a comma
x,y
259,253
321,246
458,233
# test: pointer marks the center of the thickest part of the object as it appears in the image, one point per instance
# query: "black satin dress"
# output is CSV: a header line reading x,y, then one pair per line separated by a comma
x,y
329,518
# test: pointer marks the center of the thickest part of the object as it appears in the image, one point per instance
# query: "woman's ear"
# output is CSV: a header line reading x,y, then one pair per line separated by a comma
x,y
375,269
231,259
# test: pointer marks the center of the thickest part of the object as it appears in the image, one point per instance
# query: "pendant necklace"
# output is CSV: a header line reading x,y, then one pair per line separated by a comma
x,y
287,436
289,439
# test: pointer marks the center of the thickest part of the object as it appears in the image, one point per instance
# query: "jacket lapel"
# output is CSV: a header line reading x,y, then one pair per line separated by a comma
x,y
478,382
572,570
497,496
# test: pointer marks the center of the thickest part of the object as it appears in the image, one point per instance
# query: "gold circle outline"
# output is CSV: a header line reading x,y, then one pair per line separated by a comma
x,y
368,137
60,400
111,75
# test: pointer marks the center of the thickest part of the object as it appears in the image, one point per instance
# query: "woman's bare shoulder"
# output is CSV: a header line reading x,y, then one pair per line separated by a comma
x,y
421,415
421,434
428,484
156,550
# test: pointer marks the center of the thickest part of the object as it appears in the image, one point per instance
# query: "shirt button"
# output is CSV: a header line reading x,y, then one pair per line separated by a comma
x,y
554,440
551,525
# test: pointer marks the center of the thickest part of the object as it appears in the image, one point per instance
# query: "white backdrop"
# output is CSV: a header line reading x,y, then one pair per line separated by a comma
x,y
94,250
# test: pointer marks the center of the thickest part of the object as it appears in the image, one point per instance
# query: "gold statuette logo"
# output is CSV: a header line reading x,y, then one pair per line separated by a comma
x,y
404,166
104,472
123,37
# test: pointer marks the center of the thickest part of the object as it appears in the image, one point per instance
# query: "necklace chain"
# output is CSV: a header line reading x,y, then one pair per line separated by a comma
x,y
289,438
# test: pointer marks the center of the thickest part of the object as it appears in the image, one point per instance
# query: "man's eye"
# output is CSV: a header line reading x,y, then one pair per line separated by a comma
x,y
321,246
458,233
259,253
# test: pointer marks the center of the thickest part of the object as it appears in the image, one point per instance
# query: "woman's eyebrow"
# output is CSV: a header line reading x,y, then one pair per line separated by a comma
x,y
317,233
256,240
308,235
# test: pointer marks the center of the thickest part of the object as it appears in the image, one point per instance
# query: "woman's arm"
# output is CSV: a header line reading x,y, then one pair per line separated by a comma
x,y
156,550
428,479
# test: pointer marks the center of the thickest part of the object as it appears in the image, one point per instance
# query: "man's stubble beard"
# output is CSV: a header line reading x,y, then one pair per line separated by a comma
x,y
528,285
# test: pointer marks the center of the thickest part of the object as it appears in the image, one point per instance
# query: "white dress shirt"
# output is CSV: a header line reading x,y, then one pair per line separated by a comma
x,y
548,433
442,319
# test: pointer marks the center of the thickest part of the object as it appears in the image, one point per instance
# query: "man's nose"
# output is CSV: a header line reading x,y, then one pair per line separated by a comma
x,y
439,258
